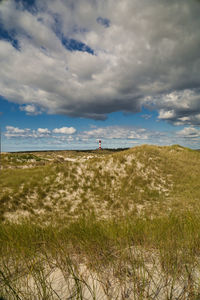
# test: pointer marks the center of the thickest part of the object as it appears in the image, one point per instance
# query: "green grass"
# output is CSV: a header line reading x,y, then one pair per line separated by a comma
x,y
127,252
119,225
159,179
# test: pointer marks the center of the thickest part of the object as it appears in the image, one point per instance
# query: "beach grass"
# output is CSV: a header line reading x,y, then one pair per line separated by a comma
x,y
101,225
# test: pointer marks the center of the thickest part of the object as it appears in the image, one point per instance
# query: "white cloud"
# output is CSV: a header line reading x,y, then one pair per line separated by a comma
x,y
146,116
179,107
30,109
166,114
13,132
189,132
111,137
135,58
43,130
109,132
15,129
65,130
114,132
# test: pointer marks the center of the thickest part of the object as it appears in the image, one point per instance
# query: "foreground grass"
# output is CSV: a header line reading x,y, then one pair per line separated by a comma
x,y
131,258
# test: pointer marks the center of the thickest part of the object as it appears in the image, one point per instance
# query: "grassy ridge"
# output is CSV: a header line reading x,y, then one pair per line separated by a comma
x,y
145,180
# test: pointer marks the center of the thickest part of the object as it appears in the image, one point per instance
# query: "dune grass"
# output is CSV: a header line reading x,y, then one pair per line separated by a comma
x,y
101,225
131,258
144,180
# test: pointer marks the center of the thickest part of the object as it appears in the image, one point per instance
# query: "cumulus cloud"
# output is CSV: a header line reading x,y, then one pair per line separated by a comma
x,y
65,130
14,132
179,108
30,109
43,130
15,129
111,136
109,132
146,116
189,132
114,132
146,51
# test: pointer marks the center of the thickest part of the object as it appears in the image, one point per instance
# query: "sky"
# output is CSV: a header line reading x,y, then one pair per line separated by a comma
x,y
73,72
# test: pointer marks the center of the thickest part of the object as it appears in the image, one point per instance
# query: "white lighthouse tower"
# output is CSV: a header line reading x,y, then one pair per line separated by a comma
x,y
99,144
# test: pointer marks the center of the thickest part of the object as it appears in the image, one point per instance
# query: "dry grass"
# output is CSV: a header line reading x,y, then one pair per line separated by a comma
x,y
132,258
146,180
113,225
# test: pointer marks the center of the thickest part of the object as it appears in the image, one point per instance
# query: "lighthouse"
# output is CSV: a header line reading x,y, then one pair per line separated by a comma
x,y
99,144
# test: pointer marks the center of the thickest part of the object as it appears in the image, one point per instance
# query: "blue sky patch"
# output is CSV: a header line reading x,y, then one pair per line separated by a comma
x,y
69,43
9,36
29,5
74,45
103,21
